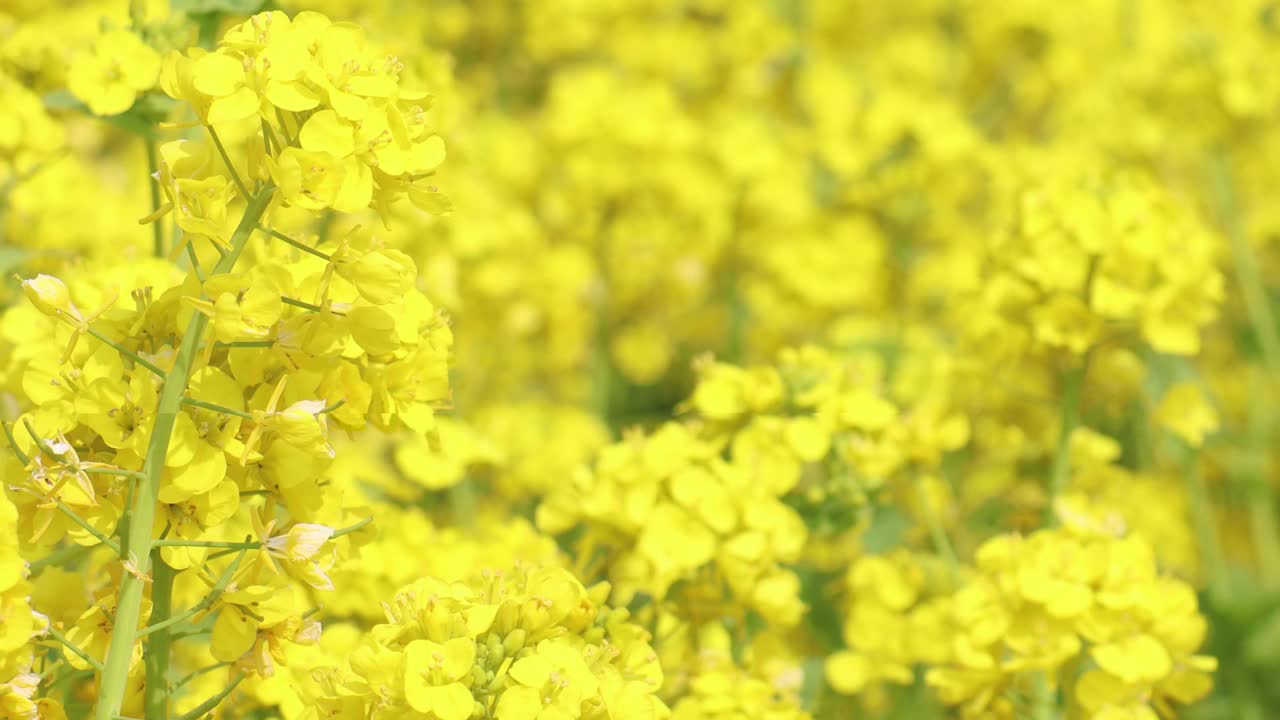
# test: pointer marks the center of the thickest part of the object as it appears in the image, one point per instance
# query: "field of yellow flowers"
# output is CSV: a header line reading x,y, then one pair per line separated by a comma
x,y
639,359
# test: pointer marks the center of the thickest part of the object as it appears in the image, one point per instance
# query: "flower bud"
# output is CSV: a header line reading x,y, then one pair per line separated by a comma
x,y
50,296
514,641
299,425
495,645
381,277
302,541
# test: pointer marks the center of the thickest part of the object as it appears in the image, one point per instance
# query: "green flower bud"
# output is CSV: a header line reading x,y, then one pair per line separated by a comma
x,y
514,641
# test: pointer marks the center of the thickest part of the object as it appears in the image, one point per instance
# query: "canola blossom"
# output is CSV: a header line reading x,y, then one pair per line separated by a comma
x,y
639,360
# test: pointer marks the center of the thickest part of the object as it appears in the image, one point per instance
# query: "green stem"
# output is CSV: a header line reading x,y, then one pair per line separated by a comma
x,y
197,673
266,138
195,262
1248,276
330,408
1212,559
1044,698
1262,501
250,545
296,243
58,557
75,649
156,700
1261,493
1060,473
204,707
13,444
127,353
208,544
119,472
462,499
351,528
231,169
88,528
247,344
137,547
214,593
306,305
216,408
938,533
157,227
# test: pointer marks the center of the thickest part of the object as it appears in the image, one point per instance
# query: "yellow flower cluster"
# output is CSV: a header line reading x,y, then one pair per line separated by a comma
x,y
702,672
1059,597
19,626
1082,607
671,510
192,422
519,644
342,131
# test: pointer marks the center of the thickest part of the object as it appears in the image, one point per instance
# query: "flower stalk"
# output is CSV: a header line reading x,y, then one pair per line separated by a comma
x,y
138,543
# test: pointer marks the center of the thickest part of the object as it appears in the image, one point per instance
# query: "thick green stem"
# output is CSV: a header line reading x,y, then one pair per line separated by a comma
x,y
157,227
157,691
137,546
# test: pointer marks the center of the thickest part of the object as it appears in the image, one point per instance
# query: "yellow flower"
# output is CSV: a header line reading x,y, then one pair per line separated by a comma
x,y
432,677
241,309
1184,412
380,276
224,78
1136,660
120,67
552,683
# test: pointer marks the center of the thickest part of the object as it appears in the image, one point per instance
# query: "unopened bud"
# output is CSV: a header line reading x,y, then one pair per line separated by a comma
x,y
514,641
50,296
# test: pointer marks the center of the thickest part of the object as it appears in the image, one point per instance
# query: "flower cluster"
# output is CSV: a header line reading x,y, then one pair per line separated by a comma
x,y
187,429
342,131
520,644
21,625
1046,603
673,511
